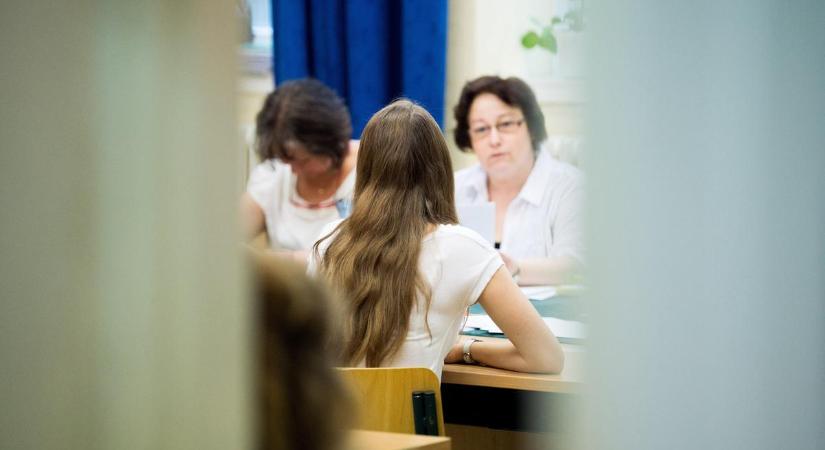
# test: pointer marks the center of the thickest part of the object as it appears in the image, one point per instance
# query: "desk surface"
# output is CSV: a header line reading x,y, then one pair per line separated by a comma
x,y
379,440
569,381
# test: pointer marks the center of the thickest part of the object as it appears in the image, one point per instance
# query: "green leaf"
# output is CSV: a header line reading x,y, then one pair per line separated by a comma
x,y
548,41
530,39
556,20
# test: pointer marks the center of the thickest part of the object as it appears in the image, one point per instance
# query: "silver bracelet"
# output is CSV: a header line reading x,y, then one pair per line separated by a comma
x,y
468,357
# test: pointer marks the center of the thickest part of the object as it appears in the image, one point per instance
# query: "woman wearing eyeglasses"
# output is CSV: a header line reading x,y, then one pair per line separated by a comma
x,y
537,198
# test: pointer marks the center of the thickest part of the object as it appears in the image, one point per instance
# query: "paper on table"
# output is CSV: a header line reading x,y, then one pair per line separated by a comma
x,y
539,292
480,217
566,329
569,329
481,322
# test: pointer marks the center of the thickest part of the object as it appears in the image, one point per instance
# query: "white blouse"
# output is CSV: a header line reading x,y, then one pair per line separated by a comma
x,y
290,224
457,263
545,219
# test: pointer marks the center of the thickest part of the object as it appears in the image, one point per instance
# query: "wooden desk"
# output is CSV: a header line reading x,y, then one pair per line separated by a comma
x,y
495,409
379,440
569,381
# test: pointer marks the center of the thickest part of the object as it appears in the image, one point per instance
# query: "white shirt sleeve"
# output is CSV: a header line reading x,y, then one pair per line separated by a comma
x,y
312,263
489,268
314,259
477,262
261,185
568,239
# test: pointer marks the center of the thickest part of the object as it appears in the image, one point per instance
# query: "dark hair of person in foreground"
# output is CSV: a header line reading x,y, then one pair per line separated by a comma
x,y
302,402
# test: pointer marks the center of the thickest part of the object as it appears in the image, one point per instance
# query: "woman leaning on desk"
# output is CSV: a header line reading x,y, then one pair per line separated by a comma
x,y
408,272
537,198
307,172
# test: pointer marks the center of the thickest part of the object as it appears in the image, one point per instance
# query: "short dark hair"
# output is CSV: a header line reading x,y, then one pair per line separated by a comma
x,y
306,111
512,91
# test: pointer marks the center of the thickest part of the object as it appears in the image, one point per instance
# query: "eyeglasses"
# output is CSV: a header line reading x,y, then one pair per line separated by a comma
x,y
505,126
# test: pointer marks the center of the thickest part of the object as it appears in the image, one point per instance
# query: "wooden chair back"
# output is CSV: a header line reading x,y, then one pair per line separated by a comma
x,y
384,396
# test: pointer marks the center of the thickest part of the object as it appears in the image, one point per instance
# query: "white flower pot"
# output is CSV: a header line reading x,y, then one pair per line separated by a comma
x,y
540,64
571,53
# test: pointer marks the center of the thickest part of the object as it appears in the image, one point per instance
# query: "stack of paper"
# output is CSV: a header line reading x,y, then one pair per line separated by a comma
x,y
563,329
539,292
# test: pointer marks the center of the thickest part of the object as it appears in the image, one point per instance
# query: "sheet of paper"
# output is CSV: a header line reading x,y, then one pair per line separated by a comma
x,y
565,329
482,322
539,292
479,217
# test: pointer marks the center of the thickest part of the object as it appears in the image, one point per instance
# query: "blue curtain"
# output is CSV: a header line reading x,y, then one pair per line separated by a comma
x,y
369,51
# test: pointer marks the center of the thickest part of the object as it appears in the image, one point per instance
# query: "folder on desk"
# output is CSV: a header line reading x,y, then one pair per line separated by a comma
x,y
567,331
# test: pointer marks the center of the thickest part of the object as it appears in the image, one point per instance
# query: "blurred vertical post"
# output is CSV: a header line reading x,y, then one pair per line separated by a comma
x,y
123,320
706,165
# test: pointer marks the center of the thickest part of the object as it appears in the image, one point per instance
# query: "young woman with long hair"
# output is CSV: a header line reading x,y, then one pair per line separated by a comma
x,y
406,269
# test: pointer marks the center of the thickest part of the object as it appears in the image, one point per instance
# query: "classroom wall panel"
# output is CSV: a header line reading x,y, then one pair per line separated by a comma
x,y
123,316
707,226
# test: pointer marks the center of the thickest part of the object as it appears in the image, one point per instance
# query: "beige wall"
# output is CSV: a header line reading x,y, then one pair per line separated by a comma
x,y
252,89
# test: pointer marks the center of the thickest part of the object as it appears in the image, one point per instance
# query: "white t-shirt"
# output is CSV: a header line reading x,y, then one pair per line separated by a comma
x,y
457,263
289,223
544,220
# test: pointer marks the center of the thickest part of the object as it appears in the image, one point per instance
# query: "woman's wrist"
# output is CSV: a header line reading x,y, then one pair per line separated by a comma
x,y
466,353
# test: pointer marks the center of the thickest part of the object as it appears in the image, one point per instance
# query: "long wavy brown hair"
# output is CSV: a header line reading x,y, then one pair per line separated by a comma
x,y
403,185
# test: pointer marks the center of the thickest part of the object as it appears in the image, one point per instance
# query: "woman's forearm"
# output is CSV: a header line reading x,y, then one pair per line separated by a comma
x,y
503,354
556,270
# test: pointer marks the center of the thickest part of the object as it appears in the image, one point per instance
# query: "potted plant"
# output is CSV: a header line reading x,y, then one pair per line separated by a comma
x,y
545,35
562,37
